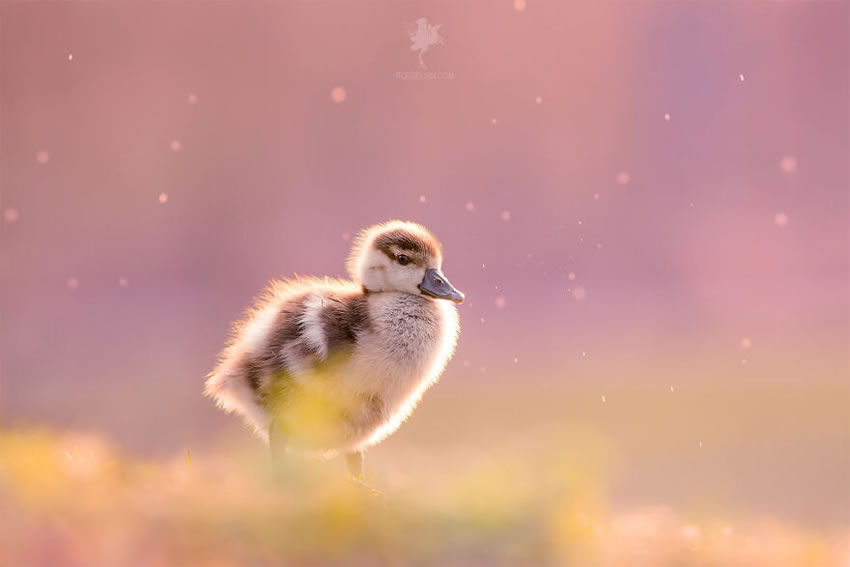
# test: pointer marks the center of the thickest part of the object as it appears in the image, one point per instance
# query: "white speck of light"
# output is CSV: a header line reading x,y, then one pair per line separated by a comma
x,y
623,178
163,198
700,443
667,116
42,157
788,164
516,360
470,206
579,293
73,283
176,146
10,215
671,389
741,77
123,282
192,98
519,5
70,57
506,216
338,94
603,398
583,353
781,219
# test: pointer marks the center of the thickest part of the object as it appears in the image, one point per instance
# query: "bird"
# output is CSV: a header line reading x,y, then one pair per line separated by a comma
x,y
332,366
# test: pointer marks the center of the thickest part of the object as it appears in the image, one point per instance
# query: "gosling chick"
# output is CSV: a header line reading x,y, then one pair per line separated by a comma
x,y
334,366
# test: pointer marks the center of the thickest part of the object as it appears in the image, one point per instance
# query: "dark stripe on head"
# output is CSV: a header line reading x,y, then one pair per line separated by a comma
x,y
404,240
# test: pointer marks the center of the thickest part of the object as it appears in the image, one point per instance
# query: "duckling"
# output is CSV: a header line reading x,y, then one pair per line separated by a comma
x,y
333,366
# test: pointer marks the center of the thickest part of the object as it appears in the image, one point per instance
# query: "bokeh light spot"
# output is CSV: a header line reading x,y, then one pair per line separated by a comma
x,y
163,198
338,94
506,216
519,5
500,302
42,157
176,146
781,219
10,215
192,98
788,164
623,178
72,283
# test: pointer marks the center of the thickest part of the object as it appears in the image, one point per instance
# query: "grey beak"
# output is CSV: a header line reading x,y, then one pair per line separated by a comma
x,y
436,285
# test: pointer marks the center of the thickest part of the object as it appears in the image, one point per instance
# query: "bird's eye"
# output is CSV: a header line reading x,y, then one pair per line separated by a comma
x,y
403,259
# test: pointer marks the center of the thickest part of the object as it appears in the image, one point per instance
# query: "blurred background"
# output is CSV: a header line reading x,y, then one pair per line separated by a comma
x,y
646,204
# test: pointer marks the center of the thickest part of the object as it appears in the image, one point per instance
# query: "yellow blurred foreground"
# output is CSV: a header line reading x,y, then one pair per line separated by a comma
x,y
71,499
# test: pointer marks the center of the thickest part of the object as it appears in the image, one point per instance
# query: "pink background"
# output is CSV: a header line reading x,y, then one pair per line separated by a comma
x,y
682,266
